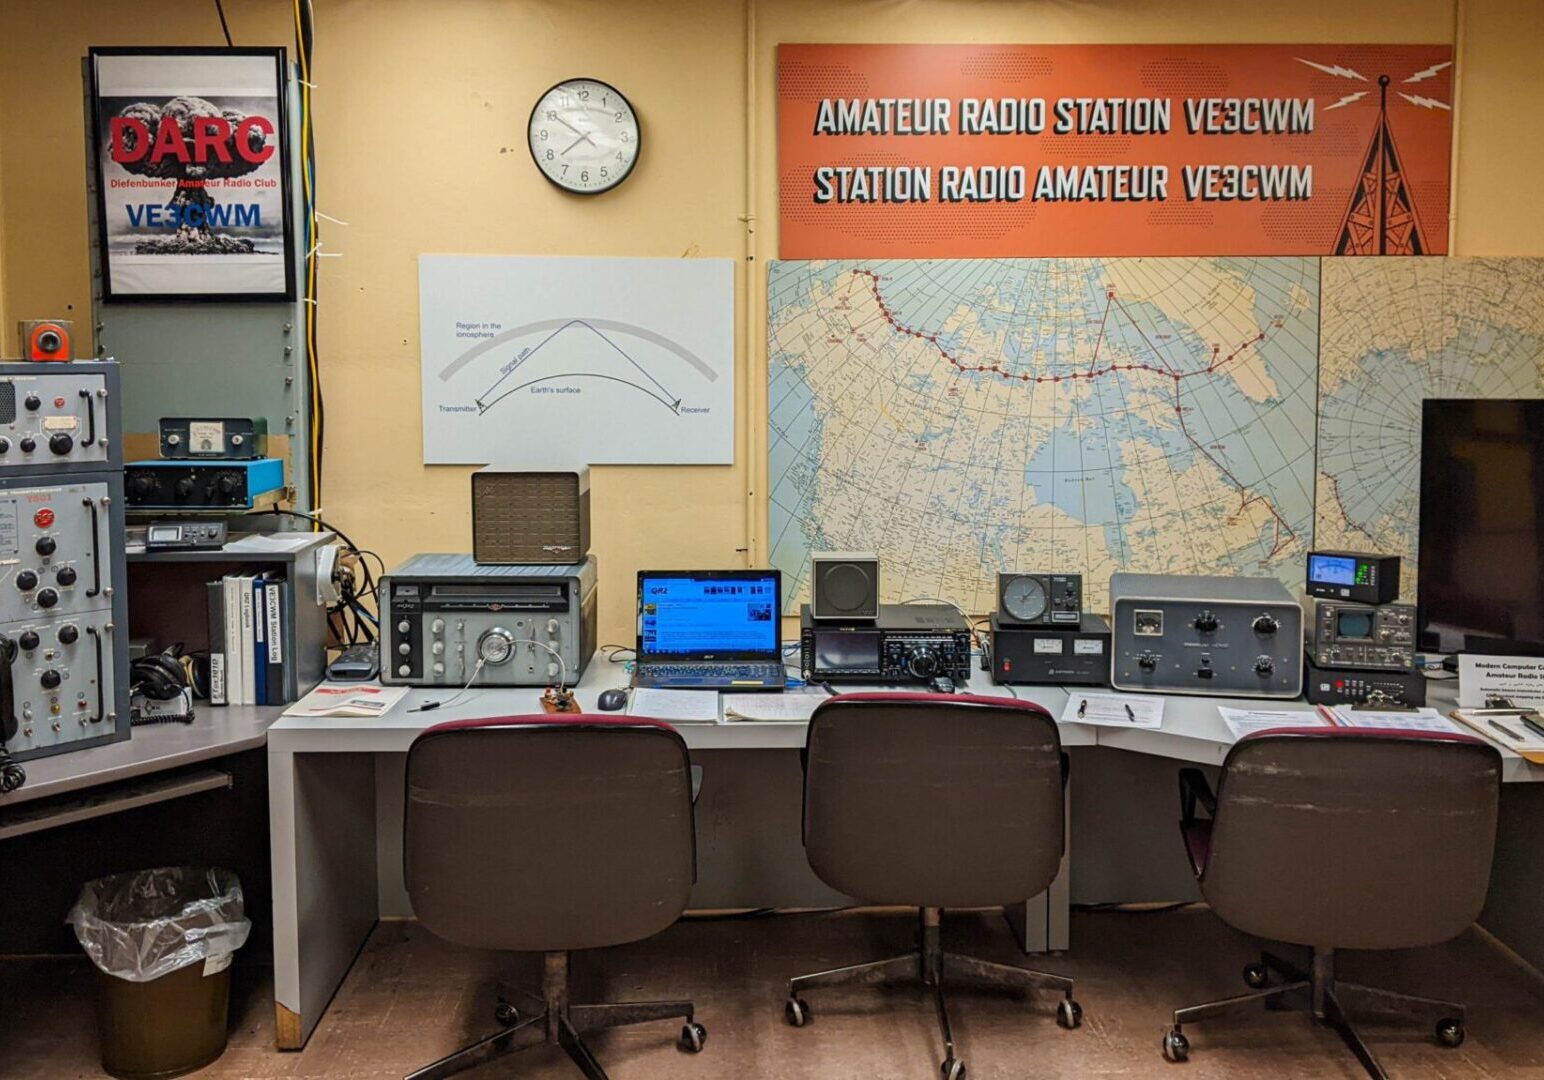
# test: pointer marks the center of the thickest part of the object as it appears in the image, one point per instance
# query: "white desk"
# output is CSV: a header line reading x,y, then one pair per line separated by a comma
x,y
336,787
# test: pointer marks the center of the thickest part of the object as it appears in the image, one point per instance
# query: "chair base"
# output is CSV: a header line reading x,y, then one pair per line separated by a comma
x,y
1318,992
562,1023
928,964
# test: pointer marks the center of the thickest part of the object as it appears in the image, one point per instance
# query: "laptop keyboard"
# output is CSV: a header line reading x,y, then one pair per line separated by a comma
x,y
763,672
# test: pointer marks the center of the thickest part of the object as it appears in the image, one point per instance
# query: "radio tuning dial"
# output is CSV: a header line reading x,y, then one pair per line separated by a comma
x,y
923,662
61,442
1266,624
496,646
1206,622
184,488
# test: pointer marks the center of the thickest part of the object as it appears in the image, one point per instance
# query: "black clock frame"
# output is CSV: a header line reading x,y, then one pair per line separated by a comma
x,y
631,165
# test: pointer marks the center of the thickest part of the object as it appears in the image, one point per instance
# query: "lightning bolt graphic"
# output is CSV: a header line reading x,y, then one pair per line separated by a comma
x,y
1422,76
1425,102
1348,99
1337,71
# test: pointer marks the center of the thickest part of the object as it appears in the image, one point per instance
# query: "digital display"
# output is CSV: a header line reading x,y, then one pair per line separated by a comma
x,y
720,616
846,652
163,534
1353,624
1332,570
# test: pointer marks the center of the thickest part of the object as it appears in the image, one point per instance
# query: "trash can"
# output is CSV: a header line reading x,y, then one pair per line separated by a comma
x,y
162,941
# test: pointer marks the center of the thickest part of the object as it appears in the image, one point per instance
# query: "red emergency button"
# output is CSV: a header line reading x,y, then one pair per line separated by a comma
x,y
43,518
58,402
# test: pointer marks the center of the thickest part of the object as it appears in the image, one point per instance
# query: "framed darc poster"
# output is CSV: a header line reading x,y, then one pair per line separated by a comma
x,y
192,174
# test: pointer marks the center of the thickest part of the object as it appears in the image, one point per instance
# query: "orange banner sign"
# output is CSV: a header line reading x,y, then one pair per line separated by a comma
x,y
980,151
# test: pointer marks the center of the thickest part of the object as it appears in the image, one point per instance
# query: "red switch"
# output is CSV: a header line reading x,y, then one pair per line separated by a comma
x,y
58,402
43,518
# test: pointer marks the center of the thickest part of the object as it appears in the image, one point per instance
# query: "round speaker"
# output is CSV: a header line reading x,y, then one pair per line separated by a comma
x,y
846,587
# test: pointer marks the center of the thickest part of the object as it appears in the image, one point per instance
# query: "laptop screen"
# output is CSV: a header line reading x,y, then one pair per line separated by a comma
x,y
709,615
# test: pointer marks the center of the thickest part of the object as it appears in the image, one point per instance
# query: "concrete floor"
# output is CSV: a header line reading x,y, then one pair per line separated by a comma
x,y
411,998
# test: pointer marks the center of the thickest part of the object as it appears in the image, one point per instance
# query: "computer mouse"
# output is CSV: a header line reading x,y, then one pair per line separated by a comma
x,y
612,700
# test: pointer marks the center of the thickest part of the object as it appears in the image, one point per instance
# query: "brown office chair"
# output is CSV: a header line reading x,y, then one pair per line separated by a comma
x,y
931,802
548,834
1342,838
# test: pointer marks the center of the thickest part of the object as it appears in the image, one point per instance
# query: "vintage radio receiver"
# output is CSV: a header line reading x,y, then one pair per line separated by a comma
x,y
1371,637
907,643
204,485
58,417
446,621
1035,656
521,516
1040,599
1336,686
1347,575
1205,635
189,437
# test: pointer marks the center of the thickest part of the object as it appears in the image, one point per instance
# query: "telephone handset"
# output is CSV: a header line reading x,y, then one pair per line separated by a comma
x,y
12,775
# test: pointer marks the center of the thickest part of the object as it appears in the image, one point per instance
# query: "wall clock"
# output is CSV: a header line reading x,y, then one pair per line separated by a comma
x,y
584,136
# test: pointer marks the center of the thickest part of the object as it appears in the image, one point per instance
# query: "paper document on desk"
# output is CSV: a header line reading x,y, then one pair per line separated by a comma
x,y
1394,719
675,706
1114,710
347,699
793,706
1243,722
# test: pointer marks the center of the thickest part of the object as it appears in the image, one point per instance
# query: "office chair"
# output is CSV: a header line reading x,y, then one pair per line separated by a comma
x,y
549,834
933,802
1342,838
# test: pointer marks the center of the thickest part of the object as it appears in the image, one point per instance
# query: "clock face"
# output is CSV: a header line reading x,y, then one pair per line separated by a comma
x,y
584,136
1023,598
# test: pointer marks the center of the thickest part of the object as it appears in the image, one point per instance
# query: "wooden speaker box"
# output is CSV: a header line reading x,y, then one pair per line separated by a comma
x,y
523,516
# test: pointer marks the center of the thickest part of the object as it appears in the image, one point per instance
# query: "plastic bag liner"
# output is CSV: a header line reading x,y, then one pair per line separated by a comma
x,y
142,925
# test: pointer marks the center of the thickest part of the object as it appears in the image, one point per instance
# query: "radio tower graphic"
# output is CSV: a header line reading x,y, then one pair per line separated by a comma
x,y
1381,218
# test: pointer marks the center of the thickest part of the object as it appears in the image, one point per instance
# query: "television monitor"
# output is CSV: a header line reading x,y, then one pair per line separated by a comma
x,y
1481,556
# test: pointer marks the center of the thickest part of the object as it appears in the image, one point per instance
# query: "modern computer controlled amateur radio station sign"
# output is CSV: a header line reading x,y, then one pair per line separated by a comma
x,y
980,151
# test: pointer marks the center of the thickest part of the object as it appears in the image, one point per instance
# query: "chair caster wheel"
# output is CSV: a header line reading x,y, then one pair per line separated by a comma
x,y
796,1011
1450,1032
1176,1047
505,1014
1069,1014
952,1069
693,1036
1256,976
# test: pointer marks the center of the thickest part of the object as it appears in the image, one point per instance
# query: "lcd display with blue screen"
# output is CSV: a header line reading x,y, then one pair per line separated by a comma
x,y
685,616
1332,570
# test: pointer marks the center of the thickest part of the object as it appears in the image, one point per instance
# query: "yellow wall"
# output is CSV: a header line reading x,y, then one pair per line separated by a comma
x,y
420,114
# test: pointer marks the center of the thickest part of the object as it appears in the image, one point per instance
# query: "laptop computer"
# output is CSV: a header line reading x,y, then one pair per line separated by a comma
x,y
710,630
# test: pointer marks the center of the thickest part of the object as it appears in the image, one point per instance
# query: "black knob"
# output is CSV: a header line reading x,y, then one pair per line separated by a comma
x,y
33,403
61,442
28,444
47,598
46,545
29,640
68,635
184,488
5,444
228,483
1266,624
26,580
66,575
923,663
1147,662
141,485
1264,666
1206,622
50,679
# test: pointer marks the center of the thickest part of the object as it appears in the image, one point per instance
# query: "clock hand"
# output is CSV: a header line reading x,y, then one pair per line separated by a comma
x,y
575,143
569,126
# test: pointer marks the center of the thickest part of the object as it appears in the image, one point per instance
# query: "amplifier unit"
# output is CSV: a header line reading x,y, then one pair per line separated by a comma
x,y
1205,635
1336,686
204,485
524,517
446,621
1365,636
1349,575
1033,656
237,438
907,643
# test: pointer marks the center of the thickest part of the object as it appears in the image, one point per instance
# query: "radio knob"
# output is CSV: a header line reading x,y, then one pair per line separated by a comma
x,y
228,483
184,488
61,442
50,679
26,580
404,670
405,649
923,663
437,626
552,628
439,669
141,485
1264,665
1147,662
1266,624
438,648
404,627
1206,622
47,598
46,545
33,403
29,640
5,444
68,635
66,575
28,444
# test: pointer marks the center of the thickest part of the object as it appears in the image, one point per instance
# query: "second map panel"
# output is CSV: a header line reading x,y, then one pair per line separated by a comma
x,y
1068,415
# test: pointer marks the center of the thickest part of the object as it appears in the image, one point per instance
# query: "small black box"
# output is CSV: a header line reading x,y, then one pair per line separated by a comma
x,y
1339,686
1354,576
1051,656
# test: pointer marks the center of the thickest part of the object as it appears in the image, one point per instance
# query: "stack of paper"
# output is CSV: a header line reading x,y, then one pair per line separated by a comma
x,y
794,706
1243,722
1393,719
347,699
675,706
1114,710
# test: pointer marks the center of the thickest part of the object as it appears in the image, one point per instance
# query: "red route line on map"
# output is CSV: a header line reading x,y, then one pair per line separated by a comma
x,y
1168,370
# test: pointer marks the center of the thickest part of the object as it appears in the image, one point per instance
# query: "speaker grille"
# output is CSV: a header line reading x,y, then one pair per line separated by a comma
x,y
845,588
529,518
7,402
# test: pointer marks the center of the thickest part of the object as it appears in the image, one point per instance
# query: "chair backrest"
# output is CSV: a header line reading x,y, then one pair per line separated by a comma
x,y
933,801
548,833
1351,838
